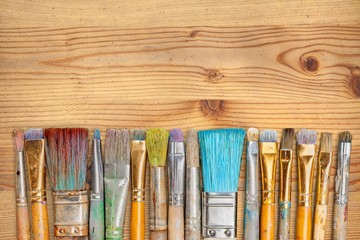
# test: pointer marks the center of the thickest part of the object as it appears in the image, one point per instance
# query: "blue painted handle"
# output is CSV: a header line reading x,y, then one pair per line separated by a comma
x,y
284,220
96,222
251,221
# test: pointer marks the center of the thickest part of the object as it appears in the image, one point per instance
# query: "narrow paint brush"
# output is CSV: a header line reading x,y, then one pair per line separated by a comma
x,y
193,199
323,182
342,186
251,218
176,181
22,213
138,173
221,151
97,212
156,143
268,156
306,140
286,159
66,162
117,179
35,158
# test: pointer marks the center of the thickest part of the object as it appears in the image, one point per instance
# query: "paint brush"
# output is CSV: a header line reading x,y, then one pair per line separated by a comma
x,y
306,140
268,157
193,200
323,182
22,213
221,151
342,186
286,159
138,173
35,158
176,181
66,162
251,218
117,179
156,144
96,221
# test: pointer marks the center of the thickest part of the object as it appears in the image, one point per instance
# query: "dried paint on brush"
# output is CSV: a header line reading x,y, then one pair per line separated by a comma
x,y
34,134
306,136
252,134
137,134
18,139
287,140
176,135
268,135
117,145
156,144
192,149
97,134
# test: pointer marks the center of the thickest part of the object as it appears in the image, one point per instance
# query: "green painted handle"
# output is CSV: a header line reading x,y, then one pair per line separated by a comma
x,y
96,222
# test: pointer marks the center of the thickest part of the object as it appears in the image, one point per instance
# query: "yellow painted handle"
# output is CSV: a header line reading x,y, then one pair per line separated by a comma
x,y
40,223
176,223
138,221
23,224
303,223
267,227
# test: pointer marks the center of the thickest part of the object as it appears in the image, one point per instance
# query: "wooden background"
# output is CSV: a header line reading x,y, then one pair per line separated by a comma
x,y
188,64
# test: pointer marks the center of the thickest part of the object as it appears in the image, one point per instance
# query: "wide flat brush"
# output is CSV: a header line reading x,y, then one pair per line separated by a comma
x,y
35,158
306,140
157,142
221,151
251,218
342,186
22,213
117,179
66,162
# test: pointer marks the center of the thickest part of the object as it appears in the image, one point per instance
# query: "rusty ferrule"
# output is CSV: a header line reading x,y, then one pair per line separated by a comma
x,y
35,157
252,172
71,213
306,156
323,180
342,175
138,170
176,173
158,203
286,158
268,157
193,200
97,182
21,198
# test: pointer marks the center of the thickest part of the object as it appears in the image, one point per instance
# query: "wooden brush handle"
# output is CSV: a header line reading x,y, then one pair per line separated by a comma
x,y
284,220
138,221
176,222
40,223
97,222
158,235
303,223
251,221
22,223
320,222
340,221
267,228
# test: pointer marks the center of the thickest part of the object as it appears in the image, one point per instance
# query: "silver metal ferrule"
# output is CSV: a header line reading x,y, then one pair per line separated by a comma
x,y
193,200
97,174
21,198
176,173
219,215
252,172
342,175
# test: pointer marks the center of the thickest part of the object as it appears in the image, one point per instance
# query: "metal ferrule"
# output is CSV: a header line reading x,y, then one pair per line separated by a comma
x,y
35,157
323,180
252,172
219,215
97,182
193,200
138,170
21,198
268,157
158,203
176,173
71,213
286,158
117,178
306,156
342,176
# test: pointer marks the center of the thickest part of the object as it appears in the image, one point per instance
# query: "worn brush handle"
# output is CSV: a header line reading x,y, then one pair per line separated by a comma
x,y
40,223
284,220
251,221
340,221
96,222
303,223
320,222
176,223
267,228
158,235
22,223
138,221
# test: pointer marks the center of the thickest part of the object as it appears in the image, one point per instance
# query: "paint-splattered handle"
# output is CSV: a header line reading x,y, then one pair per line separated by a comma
x,y
158,235
284,220
138,221
96,222
267,227
22,223
340,221
303,223
251,221
320,222
176,222
40,223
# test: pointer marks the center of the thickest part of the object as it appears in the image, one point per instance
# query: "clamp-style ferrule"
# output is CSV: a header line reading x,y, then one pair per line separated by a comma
x,y
138,169
21,198
342,176
176,173
97,182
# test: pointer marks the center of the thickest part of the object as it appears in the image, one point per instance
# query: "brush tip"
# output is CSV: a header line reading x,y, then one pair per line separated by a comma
x,y
137,134
192,149
117,146
97,134
306,136
345,137
176,135
287,138
252,134
268,135
326,142
18,137
34,134
156,145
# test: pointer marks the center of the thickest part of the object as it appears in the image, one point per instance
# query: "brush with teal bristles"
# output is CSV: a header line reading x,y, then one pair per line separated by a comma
x,y
221,152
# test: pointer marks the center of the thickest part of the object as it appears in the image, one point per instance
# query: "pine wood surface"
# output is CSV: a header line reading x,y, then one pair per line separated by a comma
x,y
188,64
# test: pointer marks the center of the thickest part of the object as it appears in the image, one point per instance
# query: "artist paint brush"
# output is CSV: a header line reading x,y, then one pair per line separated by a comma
x,y
117,179
22,213
35,158
268,156
138,173
286,159
176,181
251,218
323,182
193,199
306,140
97,211
66,162
156,144
342,186
221,151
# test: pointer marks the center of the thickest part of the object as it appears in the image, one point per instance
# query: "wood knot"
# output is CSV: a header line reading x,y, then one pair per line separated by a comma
x,y
355,82
212,107
214,75
193,33
310,64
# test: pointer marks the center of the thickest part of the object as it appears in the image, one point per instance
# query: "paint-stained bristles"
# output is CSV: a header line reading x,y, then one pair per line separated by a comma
x,y
287,138
34,134
192,149
252,134
117,146
268,135
306,136
18,138
137,134
345,137
97,134
176,135
326,142
156,145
